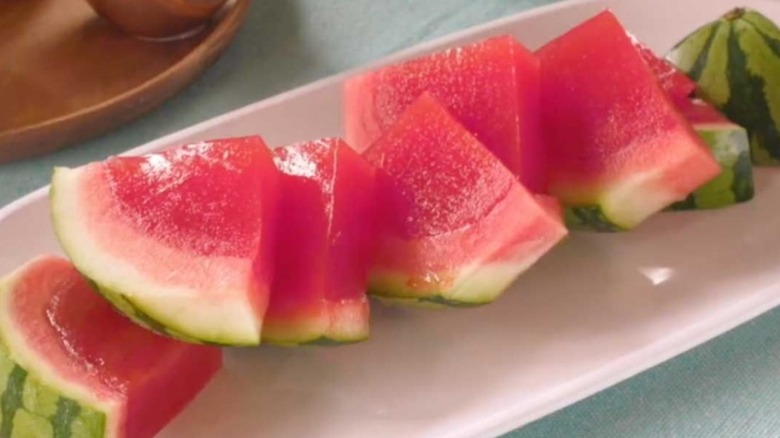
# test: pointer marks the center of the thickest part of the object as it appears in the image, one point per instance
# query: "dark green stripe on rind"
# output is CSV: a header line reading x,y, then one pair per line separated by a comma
x,y
320,341
448,302
396,290
436,301
743,186
136,314
62,421
11,400
698,65
714,70
774,45
762,24
589,218
750,108
330,342
729,144
128,309
145,320
315,335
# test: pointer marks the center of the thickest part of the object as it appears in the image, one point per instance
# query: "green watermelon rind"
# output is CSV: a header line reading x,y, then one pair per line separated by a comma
x,y
35,400
154,316
590,218
144,317
623,204
730,145
317,334
400,296
432,302
315,341
476,286
130,309
740,81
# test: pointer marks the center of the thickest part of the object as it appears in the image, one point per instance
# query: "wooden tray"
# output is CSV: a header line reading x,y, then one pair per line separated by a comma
x,y
67,76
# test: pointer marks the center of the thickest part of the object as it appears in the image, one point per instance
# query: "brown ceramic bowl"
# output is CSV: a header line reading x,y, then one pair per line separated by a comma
x,y
157,19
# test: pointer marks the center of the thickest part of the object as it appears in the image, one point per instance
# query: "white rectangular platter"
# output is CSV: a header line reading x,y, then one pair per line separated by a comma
x,y
595,311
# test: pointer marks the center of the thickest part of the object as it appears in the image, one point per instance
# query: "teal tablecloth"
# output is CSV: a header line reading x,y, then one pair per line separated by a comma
x,y
727,388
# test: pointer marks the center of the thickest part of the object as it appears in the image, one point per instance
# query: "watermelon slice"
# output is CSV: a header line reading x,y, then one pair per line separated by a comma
x,y
491,86
180,241
456,227
74,367
729,142
325,245
619,150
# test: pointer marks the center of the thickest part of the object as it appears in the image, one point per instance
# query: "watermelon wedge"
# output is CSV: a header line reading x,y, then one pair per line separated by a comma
x,y
729,142
456,227
181,241
618,150
74,367
491,86
325,245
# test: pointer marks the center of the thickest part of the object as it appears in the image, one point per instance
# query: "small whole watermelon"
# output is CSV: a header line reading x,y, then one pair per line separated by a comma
x,y
736,62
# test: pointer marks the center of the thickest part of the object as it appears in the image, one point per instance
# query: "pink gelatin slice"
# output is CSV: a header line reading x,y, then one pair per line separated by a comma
x,y
618,150
456,227
326,237
183,239
491,87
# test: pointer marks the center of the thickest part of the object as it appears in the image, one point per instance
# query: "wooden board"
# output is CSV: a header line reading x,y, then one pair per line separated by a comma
x,y
67,76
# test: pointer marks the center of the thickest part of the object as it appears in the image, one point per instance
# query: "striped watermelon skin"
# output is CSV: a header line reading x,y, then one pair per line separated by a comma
x,y
731,147
736,62
735,182
28,407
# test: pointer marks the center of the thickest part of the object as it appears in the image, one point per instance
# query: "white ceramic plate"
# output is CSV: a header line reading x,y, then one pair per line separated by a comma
x,y
595,311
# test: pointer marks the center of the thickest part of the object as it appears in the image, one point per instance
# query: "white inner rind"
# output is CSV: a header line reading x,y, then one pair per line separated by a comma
x,y
636,199
349,320
345,321
526,230
47,373
643,194
487,282
475,284
220,316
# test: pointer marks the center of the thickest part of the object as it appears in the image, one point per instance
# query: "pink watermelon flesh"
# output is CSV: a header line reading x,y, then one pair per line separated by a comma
x,y
617,145
186,235
456,227
552,205
83,341
492,87
676,83
325,244
699,112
